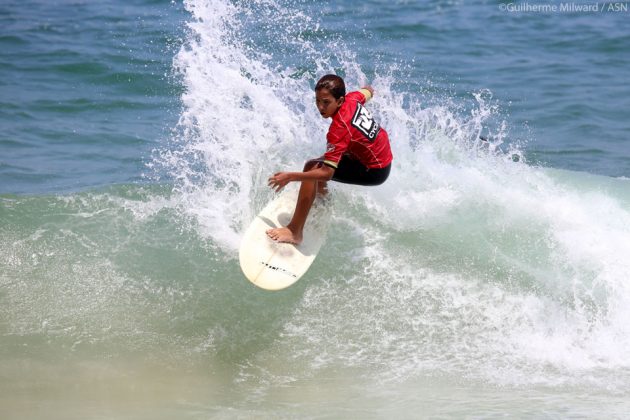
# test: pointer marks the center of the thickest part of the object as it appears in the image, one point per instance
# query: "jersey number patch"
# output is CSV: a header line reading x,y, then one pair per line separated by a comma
x,y
364,122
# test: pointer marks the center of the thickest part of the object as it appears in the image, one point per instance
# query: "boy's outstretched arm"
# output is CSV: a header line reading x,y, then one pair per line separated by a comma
x,y
281,179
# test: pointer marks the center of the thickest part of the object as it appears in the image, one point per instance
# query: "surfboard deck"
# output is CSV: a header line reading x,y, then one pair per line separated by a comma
x,y
271,265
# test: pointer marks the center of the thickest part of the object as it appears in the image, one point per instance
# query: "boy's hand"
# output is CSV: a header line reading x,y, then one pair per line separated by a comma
x,y
279,180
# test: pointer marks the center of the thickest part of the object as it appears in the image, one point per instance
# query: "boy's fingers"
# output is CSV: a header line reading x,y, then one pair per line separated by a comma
x,y
275,183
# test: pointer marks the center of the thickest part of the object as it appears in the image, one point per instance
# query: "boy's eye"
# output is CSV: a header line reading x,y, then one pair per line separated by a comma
x,y
324,102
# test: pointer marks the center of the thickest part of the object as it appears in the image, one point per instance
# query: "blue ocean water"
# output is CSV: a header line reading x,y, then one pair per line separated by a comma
x,y
485,278
85,91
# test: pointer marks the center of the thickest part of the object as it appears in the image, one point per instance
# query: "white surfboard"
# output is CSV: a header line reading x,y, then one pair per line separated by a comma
x,y
272,265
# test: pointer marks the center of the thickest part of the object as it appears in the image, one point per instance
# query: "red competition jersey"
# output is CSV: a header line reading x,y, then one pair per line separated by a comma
x,y
353,131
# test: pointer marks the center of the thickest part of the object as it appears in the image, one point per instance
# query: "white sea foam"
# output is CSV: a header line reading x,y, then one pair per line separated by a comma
x,y
465,261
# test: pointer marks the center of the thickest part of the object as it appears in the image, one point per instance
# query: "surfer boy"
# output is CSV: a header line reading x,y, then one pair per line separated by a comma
x,y
357,152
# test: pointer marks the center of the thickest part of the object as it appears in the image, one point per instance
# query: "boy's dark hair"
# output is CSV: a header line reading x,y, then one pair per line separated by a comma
x,y
334,84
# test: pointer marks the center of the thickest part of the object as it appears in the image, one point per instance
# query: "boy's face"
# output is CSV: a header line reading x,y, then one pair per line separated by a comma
x,y
326,104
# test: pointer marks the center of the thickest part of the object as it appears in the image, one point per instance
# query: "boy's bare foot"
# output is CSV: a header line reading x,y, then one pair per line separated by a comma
x,y
284,235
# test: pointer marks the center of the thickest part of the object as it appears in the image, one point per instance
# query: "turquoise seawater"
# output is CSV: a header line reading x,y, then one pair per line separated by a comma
x,y
484,279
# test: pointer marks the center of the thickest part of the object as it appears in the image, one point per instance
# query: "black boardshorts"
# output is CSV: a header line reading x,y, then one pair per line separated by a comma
x,y
351,171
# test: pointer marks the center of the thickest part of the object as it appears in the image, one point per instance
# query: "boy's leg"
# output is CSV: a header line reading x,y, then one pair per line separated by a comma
x,y
322,186
293,232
